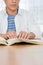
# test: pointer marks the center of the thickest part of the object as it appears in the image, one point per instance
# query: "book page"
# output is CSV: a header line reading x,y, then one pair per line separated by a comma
x,y
16,40
3,41
34,41
13,41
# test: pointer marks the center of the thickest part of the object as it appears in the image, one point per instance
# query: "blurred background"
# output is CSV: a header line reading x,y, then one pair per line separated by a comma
x,y
35,6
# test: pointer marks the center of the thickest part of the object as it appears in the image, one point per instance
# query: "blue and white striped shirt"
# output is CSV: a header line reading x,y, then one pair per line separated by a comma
x,y
11,23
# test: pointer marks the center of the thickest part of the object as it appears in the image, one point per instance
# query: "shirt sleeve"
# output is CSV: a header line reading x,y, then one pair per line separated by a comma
x,y
33,26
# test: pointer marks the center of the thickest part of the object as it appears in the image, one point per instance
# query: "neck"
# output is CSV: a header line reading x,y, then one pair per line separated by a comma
x,y
12,13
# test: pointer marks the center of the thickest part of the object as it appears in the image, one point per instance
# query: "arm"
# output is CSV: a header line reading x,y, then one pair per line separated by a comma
x,y
33,26
3,35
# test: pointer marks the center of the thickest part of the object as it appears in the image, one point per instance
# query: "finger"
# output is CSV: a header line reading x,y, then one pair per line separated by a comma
x,y
11,35
24,35
20,34
7,36
30,36
14,36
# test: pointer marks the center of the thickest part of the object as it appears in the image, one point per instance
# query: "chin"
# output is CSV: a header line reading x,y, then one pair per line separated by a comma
x,y
13,9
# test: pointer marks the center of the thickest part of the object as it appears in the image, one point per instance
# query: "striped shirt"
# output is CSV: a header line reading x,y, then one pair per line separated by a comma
x,y
11,23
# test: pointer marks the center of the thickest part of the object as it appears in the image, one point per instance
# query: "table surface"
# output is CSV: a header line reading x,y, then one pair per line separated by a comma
x,y
21,55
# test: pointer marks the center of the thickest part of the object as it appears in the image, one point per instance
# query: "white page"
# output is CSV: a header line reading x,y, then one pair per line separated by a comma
x,y
34,41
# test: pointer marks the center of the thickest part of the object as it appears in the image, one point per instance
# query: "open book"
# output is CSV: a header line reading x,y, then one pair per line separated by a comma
x,y
16,40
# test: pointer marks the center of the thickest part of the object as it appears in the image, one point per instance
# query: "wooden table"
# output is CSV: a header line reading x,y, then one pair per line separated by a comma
x,y
21,55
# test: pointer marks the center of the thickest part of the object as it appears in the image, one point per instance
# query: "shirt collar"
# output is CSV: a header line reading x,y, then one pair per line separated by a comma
x,y
19,12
